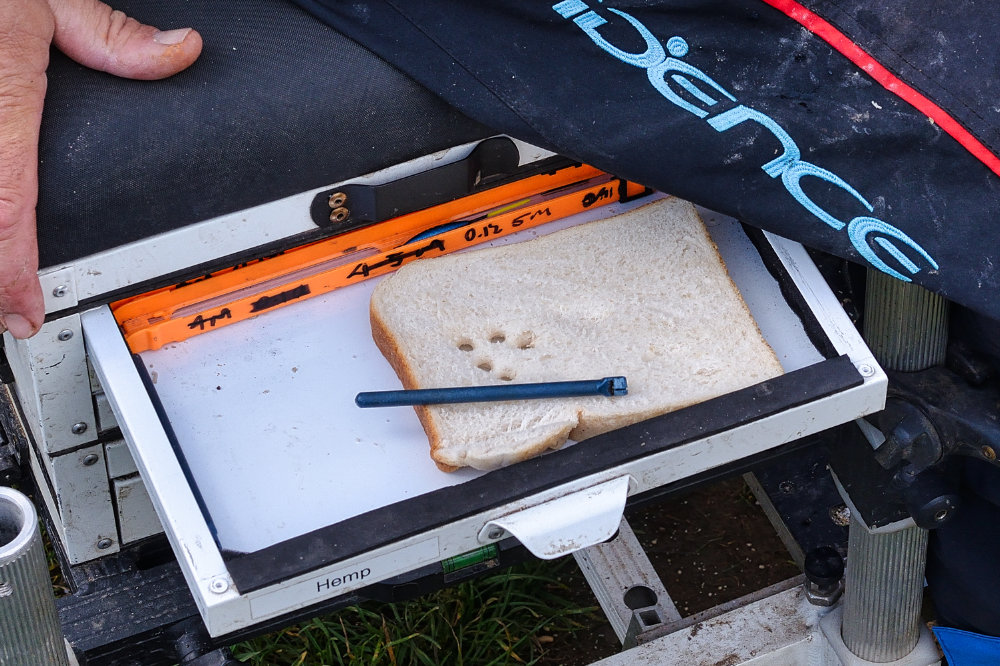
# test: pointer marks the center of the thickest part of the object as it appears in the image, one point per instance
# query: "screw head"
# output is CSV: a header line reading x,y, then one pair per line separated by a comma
x,y
90,459
866,369
105,543
79,428
495,533
65,335
989,453
218,585
60,291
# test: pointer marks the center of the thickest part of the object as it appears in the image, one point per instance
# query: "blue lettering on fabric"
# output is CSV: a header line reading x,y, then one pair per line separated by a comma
x,y
671,76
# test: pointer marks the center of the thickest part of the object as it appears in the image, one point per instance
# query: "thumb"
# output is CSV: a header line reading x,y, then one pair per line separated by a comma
x,y
25,31
94,35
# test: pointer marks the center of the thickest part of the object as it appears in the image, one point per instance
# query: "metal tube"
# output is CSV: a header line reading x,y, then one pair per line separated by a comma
x,y
884,592
906,326
30,632
609,386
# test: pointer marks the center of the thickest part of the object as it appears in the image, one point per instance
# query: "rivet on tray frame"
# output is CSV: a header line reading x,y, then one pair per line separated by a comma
x,y
339,214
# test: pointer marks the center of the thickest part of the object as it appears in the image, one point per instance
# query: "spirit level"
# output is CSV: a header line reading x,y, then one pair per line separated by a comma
x,y
176,313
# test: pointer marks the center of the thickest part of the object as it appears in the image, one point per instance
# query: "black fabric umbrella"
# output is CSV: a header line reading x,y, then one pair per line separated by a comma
x,y
865,129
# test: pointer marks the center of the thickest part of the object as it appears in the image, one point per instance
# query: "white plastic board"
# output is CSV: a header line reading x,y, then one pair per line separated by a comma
x,y
264,412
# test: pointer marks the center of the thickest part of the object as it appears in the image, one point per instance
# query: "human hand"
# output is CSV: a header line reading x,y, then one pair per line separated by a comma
x,y
94,35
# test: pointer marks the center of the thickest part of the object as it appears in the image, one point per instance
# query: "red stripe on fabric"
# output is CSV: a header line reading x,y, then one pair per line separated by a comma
x,y
839,41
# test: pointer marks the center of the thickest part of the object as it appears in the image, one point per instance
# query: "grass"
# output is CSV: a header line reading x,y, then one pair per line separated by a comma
x,y
510,617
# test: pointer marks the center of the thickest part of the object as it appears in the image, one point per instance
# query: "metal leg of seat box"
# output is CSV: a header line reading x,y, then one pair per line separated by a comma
x,y
29,625
626,585
884,592
906,329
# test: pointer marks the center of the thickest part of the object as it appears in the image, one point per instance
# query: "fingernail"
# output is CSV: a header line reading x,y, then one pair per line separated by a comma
x,y
18,326
170,37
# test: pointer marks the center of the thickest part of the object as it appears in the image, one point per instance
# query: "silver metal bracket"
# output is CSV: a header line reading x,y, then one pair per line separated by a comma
x,y
626,585
566,524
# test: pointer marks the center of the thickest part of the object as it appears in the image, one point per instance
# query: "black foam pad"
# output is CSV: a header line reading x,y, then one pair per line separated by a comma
x,y
278,103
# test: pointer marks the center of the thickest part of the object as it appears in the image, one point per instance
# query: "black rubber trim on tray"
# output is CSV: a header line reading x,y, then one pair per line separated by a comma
x,y
168,430
391,523
776,267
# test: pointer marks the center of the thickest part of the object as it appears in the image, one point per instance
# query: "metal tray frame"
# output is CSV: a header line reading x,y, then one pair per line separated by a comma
x,y
229,599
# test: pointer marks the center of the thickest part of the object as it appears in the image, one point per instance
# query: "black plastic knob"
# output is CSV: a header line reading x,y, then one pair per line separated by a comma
x,y
824,566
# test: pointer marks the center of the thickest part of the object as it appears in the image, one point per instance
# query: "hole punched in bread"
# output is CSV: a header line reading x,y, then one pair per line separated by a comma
x,y
643,294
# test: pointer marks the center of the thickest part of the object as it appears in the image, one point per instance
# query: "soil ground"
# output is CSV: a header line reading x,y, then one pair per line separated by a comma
x,y
709,546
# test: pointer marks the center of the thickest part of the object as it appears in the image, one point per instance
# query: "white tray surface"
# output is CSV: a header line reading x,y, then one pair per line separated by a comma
x,y
264,411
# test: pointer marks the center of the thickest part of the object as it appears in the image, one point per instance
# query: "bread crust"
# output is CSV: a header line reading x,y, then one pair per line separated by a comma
x,y
389,346
742,303
554,441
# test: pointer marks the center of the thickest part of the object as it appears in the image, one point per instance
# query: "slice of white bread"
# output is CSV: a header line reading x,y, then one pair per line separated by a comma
x,y
644,294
